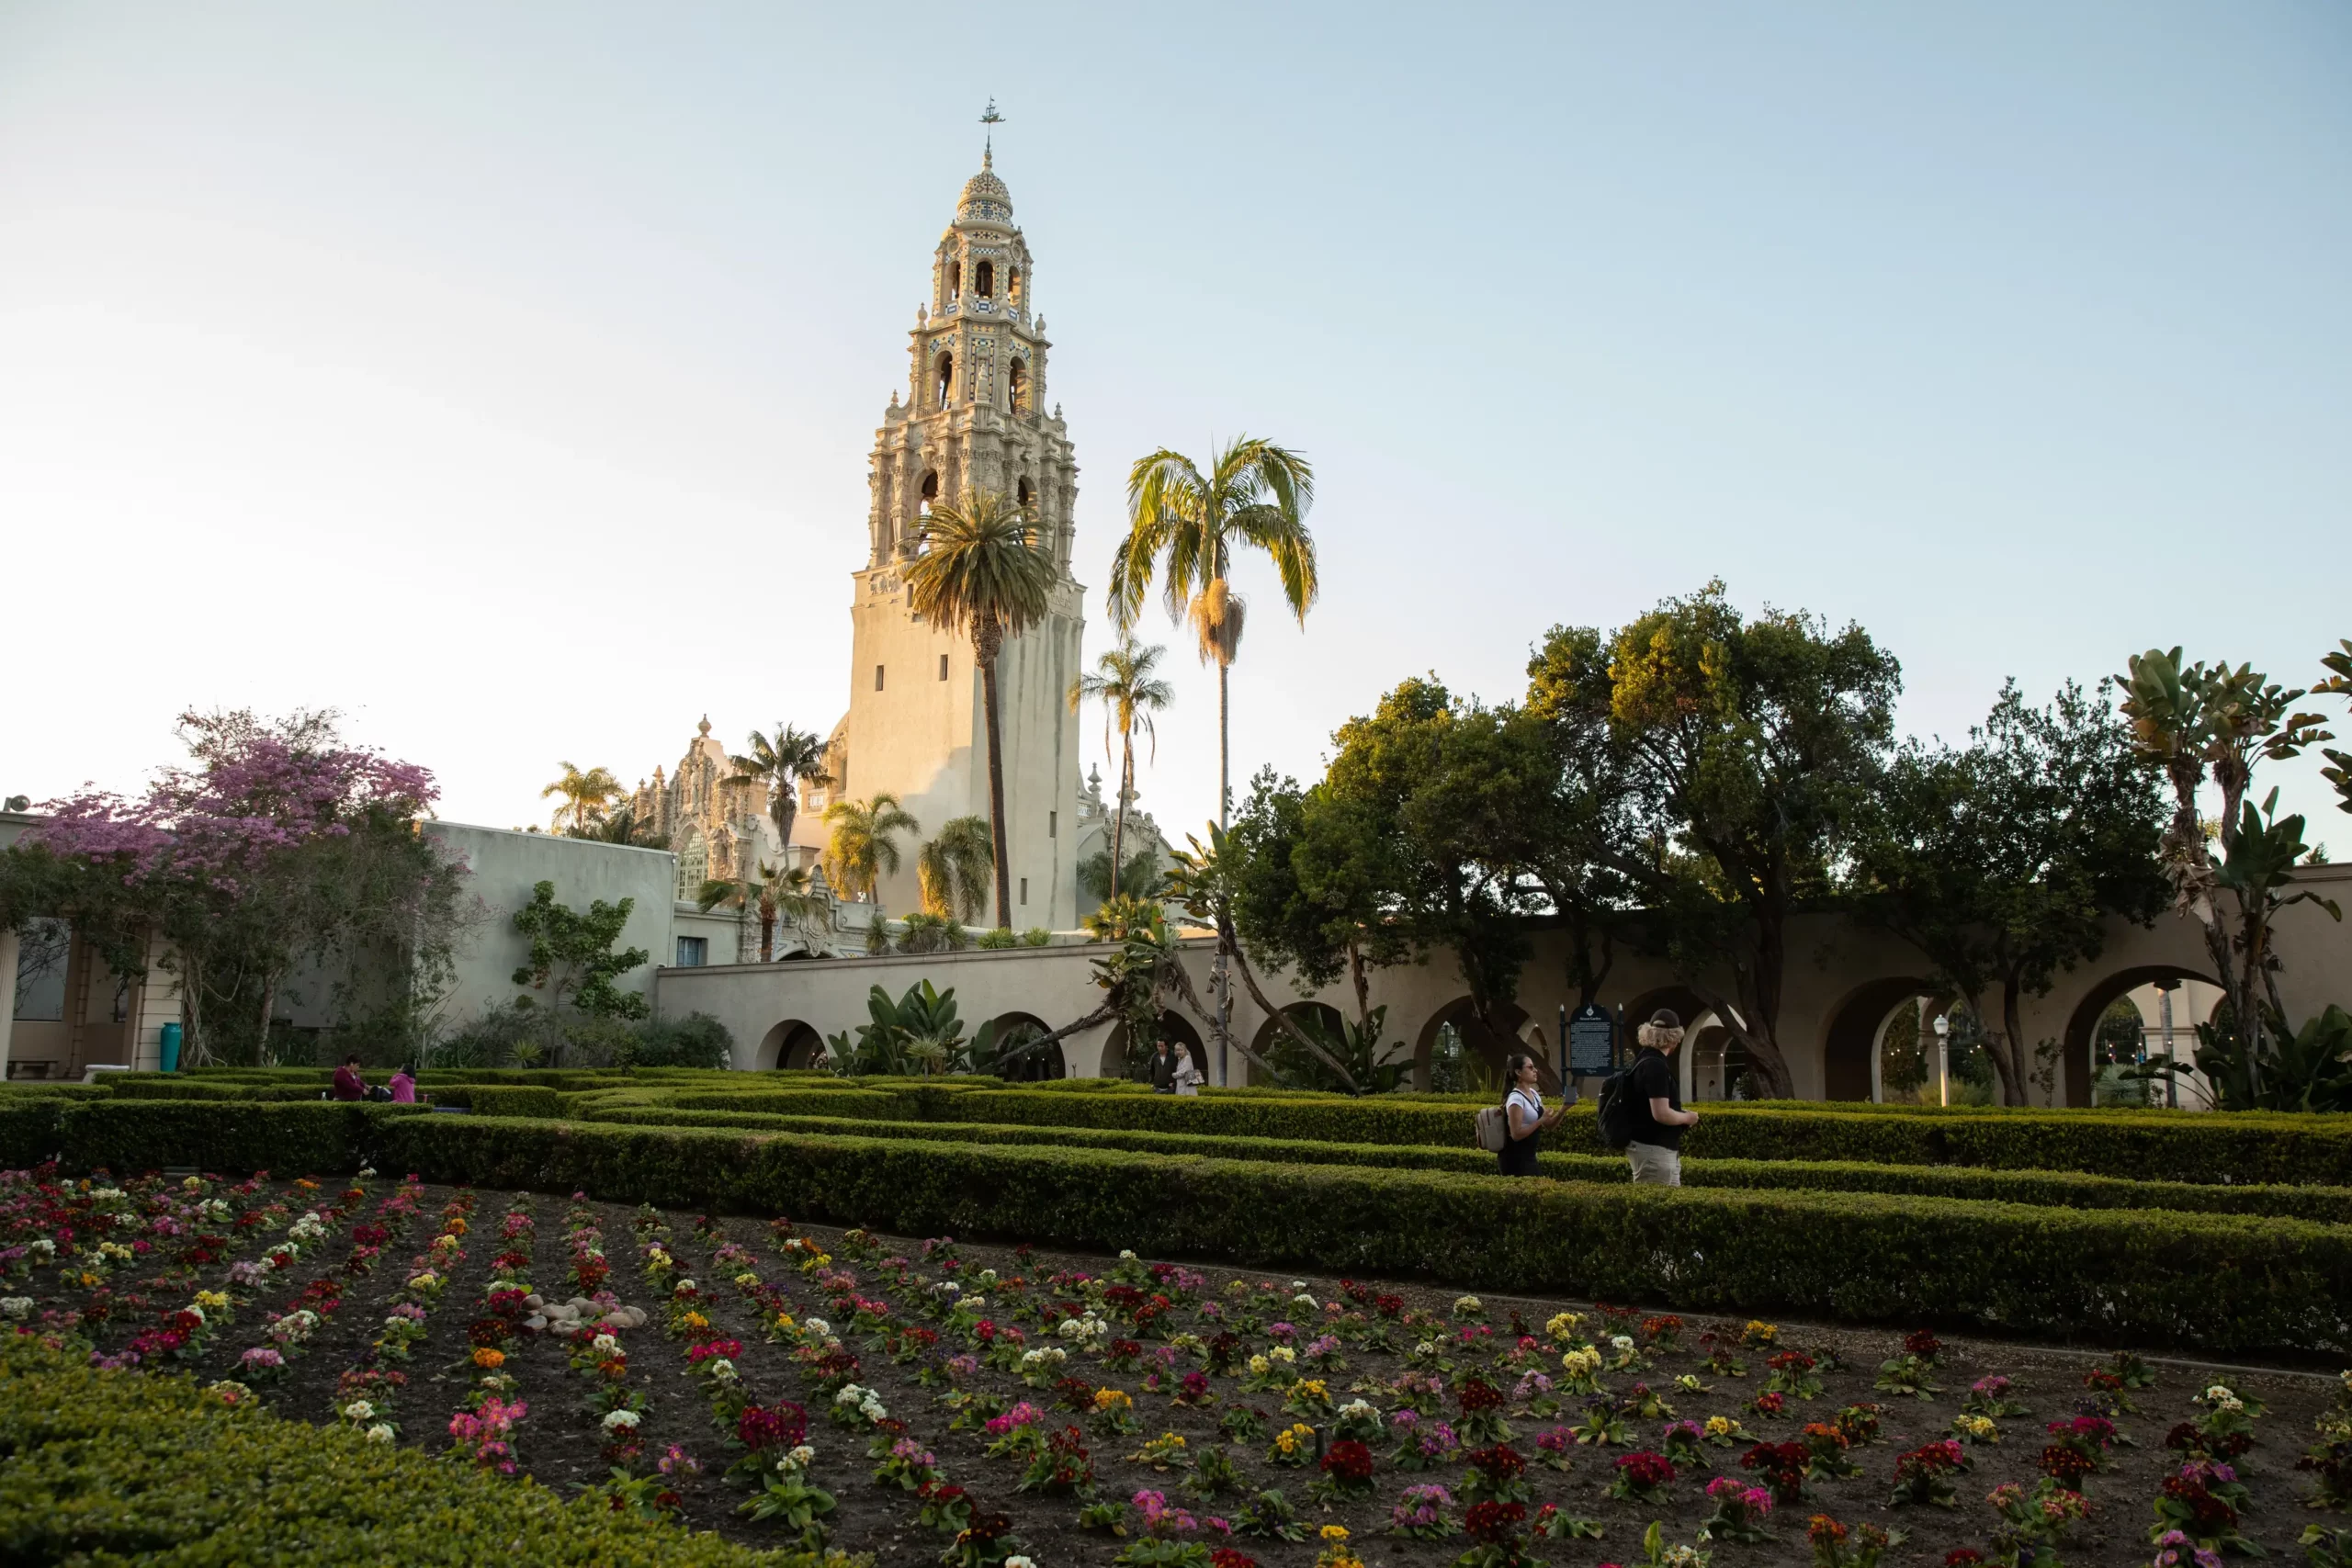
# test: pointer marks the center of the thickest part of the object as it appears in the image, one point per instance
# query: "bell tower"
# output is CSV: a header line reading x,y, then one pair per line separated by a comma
x,y
973,418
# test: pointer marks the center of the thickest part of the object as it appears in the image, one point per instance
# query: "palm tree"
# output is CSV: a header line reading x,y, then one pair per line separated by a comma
x,y
953,868
737,895
864,844
782,762
585,796
790,894
776,893
1130,694
1254,496
982,570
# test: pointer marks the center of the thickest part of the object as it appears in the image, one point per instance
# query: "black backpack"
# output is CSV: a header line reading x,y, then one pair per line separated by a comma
x,y
1616,1109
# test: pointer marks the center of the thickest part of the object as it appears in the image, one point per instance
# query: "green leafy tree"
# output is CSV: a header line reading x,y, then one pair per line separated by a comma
x,y
1310,890
573,960
2003,860
982,570
1759,740
585,796
927,932
953,868
1141,876
2211,724
783,762
1131,695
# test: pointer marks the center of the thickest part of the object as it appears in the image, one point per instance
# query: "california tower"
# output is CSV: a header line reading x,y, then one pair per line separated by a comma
x,y
973,418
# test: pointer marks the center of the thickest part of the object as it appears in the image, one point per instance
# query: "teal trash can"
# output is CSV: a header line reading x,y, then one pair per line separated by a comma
x,y
171,1047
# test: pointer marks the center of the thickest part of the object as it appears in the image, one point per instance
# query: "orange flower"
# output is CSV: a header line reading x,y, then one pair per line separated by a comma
x,y
489,1358
453,1226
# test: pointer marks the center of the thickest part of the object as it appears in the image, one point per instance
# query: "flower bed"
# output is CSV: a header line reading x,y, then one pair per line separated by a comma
x,y
942,1401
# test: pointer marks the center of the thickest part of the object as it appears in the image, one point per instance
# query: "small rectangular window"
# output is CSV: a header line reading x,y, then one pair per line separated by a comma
x,y
1053,824
877,677
1025,891
694,952
942,666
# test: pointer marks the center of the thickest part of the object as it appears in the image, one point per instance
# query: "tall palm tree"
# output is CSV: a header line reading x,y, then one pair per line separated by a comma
x,y
791,894
1254,496
585,797
953,868
737,893
776,893
1130,694
982,570
864,846
782,762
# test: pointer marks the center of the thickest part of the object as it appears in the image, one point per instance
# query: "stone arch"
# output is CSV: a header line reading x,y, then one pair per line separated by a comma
x,y
1685,1003
1038,1065
792,1043
1852,1039
1016,392
2083,1022
943,377
1491,1048
928,494
1269,1031
1717,1059
1175,1026
984,284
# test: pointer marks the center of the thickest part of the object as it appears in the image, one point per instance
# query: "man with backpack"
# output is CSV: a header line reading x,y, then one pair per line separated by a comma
x,y
1640,1109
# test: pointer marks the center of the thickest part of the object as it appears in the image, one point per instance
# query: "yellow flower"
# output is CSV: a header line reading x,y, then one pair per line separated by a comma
x,y
1259,1365
1761,1333
1313,1388
211,1299
1112,1399
1580,1363
1335,1532
1717,1426
694,1321
1283,1354
1563,1323
784,1321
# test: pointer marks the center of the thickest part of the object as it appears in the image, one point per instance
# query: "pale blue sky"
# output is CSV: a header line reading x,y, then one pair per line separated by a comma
x,y
505,375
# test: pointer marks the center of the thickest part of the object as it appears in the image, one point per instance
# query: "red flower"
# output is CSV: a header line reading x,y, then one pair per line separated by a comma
x,y
1922,1344
1646,1470
1225,1557
1498,1463
1475,1394
2065,1466
1496,1524
1348,1462
780,1426
1823,1530
1963,1557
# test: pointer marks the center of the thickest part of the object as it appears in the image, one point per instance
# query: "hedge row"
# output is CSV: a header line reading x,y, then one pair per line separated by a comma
x,y
2162,1147
136,1136
122,1467
500,1099
2216,1281
2220,1282
2074,1190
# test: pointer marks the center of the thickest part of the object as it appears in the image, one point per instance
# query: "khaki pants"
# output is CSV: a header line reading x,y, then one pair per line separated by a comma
x,y
1655,1166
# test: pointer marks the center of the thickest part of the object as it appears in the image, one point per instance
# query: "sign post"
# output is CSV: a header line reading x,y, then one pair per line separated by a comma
x,y
1593,1041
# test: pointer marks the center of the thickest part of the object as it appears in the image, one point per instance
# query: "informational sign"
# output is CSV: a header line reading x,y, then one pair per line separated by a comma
x,y
1592,1037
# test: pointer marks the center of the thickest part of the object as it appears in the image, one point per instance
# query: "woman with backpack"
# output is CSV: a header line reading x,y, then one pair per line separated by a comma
x,y
1524,1116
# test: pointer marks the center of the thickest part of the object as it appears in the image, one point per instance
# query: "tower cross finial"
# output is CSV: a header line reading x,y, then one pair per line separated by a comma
x,y
988,146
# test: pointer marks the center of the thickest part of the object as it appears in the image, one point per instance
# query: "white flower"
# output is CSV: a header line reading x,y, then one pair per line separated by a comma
x,y
382,1432
1298,1284
1017,1561
367,1171
817,1327
950,1288
43,1245
682,1288
605,1345
1425,1348
619,1421
1356,1407
359,1410
1304,1300
849,1395
987,1277
1127,1255
722,1368
1463,1305
1621,1343
105,1193
17,1308
872,1408
973,1303
802,1455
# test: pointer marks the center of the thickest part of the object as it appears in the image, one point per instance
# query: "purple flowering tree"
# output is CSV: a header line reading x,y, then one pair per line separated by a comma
x,y
267,848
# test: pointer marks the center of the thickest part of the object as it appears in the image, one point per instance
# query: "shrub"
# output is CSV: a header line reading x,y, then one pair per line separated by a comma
x,y
2220,1281
696,1040
115,1467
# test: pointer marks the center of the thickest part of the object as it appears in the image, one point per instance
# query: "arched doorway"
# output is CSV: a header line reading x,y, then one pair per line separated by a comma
x,y
1177,1027
1035,1066
1479,1044
1857,1025
1718,1062
2083,1023
792,1043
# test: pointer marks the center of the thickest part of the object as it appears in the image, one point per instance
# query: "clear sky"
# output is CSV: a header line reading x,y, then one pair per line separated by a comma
x,y
503,375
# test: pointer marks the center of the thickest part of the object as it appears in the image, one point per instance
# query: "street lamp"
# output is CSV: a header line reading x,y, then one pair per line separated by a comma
x,y
1943,1058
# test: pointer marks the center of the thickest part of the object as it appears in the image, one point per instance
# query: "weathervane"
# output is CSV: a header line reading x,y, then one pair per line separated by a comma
x,y
989,117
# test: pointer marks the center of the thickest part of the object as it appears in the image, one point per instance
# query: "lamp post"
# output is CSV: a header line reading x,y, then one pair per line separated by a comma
x,y
1943,1058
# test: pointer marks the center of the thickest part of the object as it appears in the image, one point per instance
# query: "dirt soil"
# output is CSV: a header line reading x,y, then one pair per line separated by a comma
x,y
558,1441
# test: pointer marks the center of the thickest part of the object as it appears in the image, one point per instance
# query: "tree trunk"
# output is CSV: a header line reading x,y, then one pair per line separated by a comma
x,y
1119,817
1193,1001
2010,1062
268,1005
1227,941
767,936
1220,980
986,645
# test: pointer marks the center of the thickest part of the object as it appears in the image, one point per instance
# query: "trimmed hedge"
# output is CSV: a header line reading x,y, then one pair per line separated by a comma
x,y
122,1467
500,1099
2074,1190
126,1136
887,1105
2219,1282
251,1093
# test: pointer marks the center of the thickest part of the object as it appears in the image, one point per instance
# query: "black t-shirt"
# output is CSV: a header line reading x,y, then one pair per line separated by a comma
x,y
1654,1078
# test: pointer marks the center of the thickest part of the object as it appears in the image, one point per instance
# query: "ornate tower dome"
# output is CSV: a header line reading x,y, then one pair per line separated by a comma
x,y
985,199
